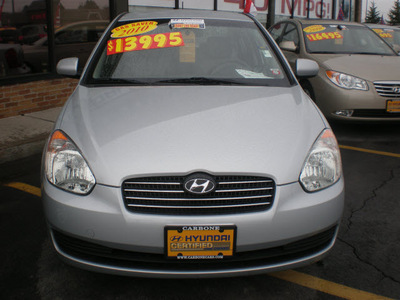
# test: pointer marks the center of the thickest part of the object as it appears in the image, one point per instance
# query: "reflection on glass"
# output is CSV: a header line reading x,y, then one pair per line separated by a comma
x,y
24,45
21,23
79,25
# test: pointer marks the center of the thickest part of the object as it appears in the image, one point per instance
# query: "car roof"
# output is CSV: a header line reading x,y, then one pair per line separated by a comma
x,y
184,14
371,25
327,22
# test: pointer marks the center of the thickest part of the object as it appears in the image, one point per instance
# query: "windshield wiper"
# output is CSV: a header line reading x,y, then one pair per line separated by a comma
x,y
191,80
367,53
124,81
200,81
324,52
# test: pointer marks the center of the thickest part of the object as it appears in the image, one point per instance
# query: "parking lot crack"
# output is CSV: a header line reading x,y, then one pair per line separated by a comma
x,y
352,224
355,252
367,200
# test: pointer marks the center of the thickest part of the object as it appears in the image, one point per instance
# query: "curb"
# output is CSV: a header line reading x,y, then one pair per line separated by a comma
x,y
25,135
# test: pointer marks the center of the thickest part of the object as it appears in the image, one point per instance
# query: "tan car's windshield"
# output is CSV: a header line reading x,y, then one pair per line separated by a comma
x,y
343,39
193,51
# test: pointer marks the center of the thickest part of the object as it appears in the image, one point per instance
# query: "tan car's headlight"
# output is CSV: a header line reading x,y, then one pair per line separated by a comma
x,y
347,81
65,166
323,165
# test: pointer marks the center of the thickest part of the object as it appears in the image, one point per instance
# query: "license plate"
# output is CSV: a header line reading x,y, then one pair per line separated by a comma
x,y
200,242
393,106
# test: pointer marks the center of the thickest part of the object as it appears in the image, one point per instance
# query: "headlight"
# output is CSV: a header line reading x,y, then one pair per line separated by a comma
x,y
323,166
65,166
347,81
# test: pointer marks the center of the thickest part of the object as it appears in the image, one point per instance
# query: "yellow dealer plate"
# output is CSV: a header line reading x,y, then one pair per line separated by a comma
x,y
393,106
200,242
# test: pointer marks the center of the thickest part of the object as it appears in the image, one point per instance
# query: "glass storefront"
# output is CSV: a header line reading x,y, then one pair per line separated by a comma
x,y
35,34
325,9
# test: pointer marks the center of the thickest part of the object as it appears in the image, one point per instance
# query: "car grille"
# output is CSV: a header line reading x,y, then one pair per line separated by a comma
x,y
99,254
166,195
388,89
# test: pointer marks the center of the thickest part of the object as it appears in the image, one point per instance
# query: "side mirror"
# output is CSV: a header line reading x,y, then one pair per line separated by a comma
x,y
306,68
288,46
68,67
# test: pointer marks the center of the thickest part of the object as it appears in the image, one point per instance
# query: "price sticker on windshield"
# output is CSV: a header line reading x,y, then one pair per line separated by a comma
x,y
324,36
145,42
314,28
133,29
386,35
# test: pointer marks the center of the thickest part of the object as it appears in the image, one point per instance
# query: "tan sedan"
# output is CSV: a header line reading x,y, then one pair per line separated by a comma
x,y
359,77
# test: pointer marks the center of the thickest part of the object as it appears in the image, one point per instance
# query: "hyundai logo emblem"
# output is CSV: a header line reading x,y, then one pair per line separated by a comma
x,y
199,184
396,90
176,238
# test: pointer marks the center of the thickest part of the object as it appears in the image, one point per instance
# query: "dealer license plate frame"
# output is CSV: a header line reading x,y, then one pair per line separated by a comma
x,y
393,106
199,237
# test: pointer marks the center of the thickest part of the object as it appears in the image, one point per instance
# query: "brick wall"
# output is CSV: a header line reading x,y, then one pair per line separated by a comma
x,y
34,96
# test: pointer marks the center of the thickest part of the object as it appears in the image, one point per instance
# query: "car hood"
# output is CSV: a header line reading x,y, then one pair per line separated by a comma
x,y
368,67
127,132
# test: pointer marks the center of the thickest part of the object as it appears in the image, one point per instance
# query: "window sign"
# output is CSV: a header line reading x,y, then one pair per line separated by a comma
x,y
196,4
156,3
318,8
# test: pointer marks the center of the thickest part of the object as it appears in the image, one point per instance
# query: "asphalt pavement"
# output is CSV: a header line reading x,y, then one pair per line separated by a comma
x,y
25,135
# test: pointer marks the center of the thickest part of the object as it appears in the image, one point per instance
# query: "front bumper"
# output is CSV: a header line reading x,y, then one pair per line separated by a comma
x,y
96,232
365,105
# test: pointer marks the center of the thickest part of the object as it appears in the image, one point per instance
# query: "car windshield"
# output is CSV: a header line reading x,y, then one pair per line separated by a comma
x,y
343,39
186,51
392,36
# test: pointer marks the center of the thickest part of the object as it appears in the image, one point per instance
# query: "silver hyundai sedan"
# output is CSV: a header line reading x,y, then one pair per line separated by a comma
x,y
188,149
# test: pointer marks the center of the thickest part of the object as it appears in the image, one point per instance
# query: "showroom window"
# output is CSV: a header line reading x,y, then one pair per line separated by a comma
x,y
36,34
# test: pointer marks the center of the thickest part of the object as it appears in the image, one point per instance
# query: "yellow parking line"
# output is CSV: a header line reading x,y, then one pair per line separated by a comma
x,y
370,151
325,286
290,275
25,187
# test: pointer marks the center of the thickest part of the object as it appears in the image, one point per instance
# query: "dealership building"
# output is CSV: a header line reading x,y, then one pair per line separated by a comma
x,y
35,34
